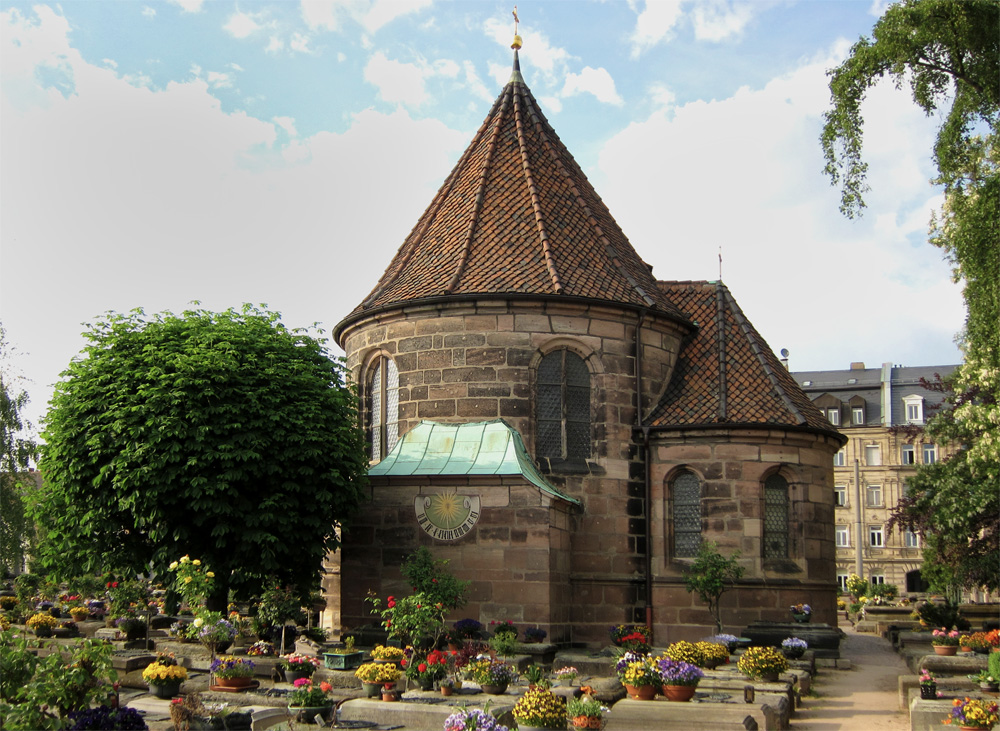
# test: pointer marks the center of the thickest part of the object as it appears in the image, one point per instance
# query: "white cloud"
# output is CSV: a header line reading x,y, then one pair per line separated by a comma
x,y
110,63
148,12
369,14
593,81
173,199
397,82
655,23
716,21
219,80
300,42
475,84
287,124
241,25
189,6
746,173
274,45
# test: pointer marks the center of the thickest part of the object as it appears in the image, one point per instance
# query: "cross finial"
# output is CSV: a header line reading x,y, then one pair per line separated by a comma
x,y
516,21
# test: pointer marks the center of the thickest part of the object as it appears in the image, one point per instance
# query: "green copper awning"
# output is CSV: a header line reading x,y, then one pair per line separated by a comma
x,y
479,448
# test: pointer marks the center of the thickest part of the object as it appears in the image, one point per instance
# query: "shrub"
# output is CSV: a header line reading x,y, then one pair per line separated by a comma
x,y
541,707
756,662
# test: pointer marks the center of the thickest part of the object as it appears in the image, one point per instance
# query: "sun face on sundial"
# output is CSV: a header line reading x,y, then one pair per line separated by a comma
x,y
447,516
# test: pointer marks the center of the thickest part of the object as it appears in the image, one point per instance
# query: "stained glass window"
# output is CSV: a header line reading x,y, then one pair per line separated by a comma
x,y
775,517
687,515
383,415
563,407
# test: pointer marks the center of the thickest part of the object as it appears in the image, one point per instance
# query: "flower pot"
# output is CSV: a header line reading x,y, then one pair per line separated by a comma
x,y
165,690
494,689
928,692
989,687
642,692
342,661
793,653
233,682
372,690
43,631
447,690
218,647
963,648
801,618
426,684
389,695
679,692
946,649
292,675
306,714
769,677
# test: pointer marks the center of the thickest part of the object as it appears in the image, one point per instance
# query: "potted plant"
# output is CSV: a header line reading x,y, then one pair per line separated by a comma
x,y
296,666
131,626
540,709
567,674
164,676
308,701
343,658
640,675
426,670
42,624
261,648
79,614
214,631
373,675
474,719
928,684
730,641
975,642
232,672
945,642
794,648
631,637
493,676
765,663
447,686
686,652
387,653
801,612
534,635
973,713
680,679
585,712
536,675
467,629
712,654
503,644
988,682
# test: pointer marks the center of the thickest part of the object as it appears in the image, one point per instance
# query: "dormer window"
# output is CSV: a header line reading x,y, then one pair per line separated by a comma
x,y
834,416
914,408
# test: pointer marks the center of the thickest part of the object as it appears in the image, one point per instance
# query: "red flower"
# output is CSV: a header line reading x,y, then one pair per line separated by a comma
x,y
114,584
390,604
422,667
434,581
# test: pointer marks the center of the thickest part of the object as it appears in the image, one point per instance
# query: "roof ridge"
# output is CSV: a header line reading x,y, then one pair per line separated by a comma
x,y
536,207
720,325
480,192
753,338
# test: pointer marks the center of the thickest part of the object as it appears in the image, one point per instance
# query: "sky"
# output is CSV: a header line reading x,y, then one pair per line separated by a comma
x,y
155,154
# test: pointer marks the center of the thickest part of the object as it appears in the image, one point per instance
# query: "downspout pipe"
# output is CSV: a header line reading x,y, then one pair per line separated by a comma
x,y
647,476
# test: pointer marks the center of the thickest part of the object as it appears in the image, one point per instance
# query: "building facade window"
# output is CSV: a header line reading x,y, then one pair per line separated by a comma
x,y
563,406
775,517
876,537
840,458
842,581
873,455
873,495
914,408
840,496
876,579
686,495
383,408
834,416
858,416
843,536
930,453
911,539
907,454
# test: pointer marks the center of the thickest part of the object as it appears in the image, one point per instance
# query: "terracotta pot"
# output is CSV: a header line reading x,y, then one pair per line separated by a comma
x,y
946,649
389,696
642,692
233,682
446,690
963,648
679,692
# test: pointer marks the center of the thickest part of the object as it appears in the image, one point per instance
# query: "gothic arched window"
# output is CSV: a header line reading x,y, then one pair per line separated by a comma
x,y
383,407
775,517
686,495
563,407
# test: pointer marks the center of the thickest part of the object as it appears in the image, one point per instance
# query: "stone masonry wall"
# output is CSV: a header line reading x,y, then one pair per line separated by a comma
x,y
732,465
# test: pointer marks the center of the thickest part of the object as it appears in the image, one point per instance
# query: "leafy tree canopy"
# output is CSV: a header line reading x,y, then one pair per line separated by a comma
x,y
710,575
948,53
220,435
17,451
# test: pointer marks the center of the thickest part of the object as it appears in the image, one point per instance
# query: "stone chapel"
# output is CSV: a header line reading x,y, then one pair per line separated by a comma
x,y
566,429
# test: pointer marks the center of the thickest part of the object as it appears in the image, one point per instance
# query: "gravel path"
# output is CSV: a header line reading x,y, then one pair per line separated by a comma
x,y
864,697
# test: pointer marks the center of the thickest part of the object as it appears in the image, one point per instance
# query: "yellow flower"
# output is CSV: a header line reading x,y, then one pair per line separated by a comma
x,y
197,562
210,574
187,579
173,565
185,559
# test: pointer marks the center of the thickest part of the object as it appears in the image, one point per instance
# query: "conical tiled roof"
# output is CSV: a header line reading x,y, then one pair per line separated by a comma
x,y
726,374
516,217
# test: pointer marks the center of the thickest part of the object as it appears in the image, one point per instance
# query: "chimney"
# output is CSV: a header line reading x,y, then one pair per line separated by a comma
x,y
857,366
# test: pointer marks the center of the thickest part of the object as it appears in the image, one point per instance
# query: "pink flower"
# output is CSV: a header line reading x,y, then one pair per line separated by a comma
x,y
302,681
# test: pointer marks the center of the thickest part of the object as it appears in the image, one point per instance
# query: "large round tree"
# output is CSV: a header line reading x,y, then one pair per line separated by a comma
x,y
225,436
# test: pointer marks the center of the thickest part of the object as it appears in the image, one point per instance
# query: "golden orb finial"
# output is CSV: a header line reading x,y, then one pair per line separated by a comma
x,y
517,39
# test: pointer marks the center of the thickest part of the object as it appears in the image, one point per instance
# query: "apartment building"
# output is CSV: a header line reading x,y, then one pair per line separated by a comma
x,y
882,411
